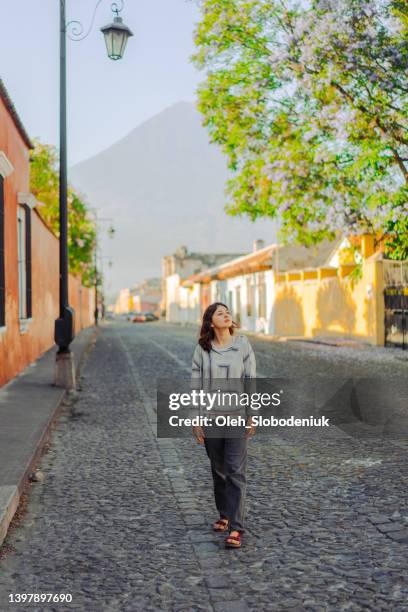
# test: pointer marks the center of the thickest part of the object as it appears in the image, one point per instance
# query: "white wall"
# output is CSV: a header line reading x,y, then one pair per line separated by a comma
x,y
189,304
182,303
266,324
172,298
226,291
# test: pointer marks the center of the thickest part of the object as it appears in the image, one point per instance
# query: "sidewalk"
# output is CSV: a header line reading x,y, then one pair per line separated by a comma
x,y
28,405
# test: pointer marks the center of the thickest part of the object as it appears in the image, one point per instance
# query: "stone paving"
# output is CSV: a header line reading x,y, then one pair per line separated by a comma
x,y
122,520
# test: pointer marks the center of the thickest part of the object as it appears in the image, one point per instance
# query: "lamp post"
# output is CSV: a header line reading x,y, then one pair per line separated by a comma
x,y
102,285
116,36
111,233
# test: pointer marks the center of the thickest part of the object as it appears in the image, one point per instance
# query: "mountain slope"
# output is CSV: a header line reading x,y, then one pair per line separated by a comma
x,y
164,186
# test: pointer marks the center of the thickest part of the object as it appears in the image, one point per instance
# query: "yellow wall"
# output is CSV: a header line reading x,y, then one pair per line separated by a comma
x,y
333,306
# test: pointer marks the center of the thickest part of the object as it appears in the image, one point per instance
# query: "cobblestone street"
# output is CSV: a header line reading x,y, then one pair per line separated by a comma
x,y
122,520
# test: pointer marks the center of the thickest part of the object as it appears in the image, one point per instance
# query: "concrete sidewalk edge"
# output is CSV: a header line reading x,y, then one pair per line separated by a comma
x,y
324,340
10,495
9,500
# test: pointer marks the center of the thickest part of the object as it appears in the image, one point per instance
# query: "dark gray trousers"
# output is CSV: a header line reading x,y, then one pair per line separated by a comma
x,y
228,457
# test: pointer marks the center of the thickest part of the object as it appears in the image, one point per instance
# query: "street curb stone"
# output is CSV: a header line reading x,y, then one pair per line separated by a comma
x,y
9,498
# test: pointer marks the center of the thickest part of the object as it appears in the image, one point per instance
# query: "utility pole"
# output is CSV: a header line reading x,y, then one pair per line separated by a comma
x,y
111,233
96,311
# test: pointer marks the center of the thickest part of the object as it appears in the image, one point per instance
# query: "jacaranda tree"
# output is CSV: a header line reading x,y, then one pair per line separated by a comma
x,y
309,102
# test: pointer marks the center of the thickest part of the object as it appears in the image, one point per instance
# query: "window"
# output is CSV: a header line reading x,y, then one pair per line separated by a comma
x,y
28,263
238,304
250,298
229,301
2,274
24,261
262,296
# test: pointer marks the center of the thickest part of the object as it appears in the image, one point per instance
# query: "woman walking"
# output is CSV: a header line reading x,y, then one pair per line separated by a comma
x,y
221,354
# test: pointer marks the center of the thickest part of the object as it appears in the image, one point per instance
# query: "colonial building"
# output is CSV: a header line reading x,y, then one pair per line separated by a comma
x,y
142,297
179,266
123,304
147,296
291,290
29,257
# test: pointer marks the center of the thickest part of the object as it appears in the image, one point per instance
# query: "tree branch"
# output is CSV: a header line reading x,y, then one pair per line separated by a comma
x,y
400,162
366,111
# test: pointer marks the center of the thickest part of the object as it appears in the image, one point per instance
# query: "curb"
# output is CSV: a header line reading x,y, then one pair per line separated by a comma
x,y
336,341
10,495
9,500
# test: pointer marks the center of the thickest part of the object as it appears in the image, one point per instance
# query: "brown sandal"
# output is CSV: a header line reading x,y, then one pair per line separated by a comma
x,y
232,541
221,524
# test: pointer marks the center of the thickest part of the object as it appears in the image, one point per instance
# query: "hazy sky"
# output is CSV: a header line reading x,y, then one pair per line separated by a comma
x,y
106,99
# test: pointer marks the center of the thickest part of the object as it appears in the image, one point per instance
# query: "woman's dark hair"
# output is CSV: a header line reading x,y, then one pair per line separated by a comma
x,y
207,332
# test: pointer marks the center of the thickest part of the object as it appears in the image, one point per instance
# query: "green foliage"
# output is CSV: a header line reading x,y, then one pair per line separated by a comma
x,y
81,227
309,103
356,274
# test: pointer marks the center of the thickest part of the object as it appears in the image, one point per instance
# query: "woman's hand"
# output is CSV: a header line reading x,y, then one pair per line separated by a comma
x,y
251,429
198,434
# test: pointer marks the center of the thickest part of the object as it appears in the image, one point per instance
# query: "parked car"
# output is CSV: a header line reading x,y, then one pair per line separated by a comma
x,y
143,317
150,316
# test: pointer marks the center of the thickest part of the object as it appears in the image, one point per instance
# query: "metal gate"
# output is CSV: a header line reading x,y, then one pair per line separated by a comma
x,y
396,303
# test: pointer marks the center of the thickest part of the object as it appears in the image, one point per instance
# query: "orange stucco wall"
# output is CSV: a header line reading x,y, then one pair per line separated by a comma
x,y
20,347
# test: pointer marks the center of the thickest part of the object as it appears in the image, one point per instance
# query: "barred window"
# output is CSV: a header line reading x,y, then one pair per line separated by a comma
x,y
24,261
238,305
262,296
250,297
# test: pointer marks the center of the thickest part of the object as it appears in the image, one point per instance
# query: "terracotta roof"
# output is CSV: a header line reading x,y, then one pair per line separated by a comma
x,y
297,257
210,259
279,257
236,266
12,110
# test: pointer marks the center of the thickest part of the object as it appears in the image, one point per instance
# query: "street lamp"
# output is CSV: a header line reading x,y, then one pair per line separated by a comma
x,y
116,36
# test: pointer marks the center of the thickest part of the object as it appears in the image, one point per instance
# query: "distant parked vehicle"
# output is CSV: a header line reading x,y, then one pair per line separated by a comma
x,y
110,316
144,317
150,316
